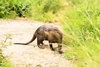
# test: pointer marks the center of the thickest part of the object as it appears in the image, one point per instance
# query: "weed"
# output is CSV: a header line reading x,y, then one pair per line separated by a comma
x,y
81,26
4,43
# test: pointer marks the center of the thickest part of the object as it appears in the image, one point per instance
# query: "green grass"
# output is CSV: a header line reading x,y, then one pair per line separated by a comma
x,y
3,61
6,63
41,10
81,25
80,20
4,43
45,10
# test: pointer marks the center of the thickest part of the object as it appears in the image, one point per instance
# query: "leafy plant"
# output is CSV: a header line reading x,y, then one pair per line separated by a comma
x,y
14,8
4,43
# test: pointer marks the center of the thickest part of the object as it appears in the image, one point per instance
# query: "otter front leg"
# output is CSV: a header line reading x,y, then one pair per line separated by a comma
x,y
39,42
51,47
59,48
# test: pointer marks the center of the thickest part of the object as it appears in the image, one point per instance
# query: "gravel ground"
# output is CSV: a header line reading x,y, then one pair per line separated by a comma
x,y
28,55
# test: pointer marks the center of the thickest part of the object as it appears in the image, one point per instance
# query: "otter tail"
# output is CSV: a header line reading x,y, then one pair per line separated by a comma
x,y
34,37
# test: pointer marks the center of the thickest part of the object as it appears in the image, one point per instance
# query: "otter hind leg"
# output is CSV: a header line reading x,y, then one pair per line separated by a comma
x,y
40,43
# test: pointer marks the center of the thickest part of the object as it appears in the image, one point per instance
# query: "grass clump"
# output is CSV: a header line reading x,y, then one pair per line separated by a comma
x,y
46,10
3,61
82,27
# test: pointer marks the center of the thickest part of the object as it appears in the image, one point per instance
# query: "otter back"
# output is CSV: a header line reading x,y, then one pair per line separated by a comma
x,y
49,33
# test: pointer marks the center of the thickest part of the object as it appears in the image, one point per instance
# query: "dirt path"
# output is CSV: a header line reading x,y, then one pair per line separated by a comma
x,y
28,55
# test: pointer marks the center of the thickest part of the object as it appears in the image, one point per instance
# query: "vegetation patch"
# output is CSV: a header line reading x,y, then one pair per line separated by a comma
x,y
3,61
81,25
80,21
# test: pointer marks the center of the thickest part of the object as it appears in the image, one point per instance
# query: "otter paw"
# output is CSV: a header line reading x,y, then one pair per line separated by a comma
x,y
60,52
41,47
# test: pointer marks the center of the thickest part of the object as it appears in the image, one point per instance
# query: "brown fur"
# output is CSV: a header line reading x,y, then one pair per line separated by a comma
x,y
49,33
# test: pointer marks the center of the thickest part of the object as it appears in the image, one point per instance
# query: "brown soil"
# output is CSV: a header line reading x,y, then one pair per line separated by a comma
x,y
30,55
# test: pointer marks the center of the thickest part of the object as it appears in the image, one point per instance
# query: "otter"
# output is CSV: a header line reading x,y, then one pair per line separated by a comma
x,y
47,32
